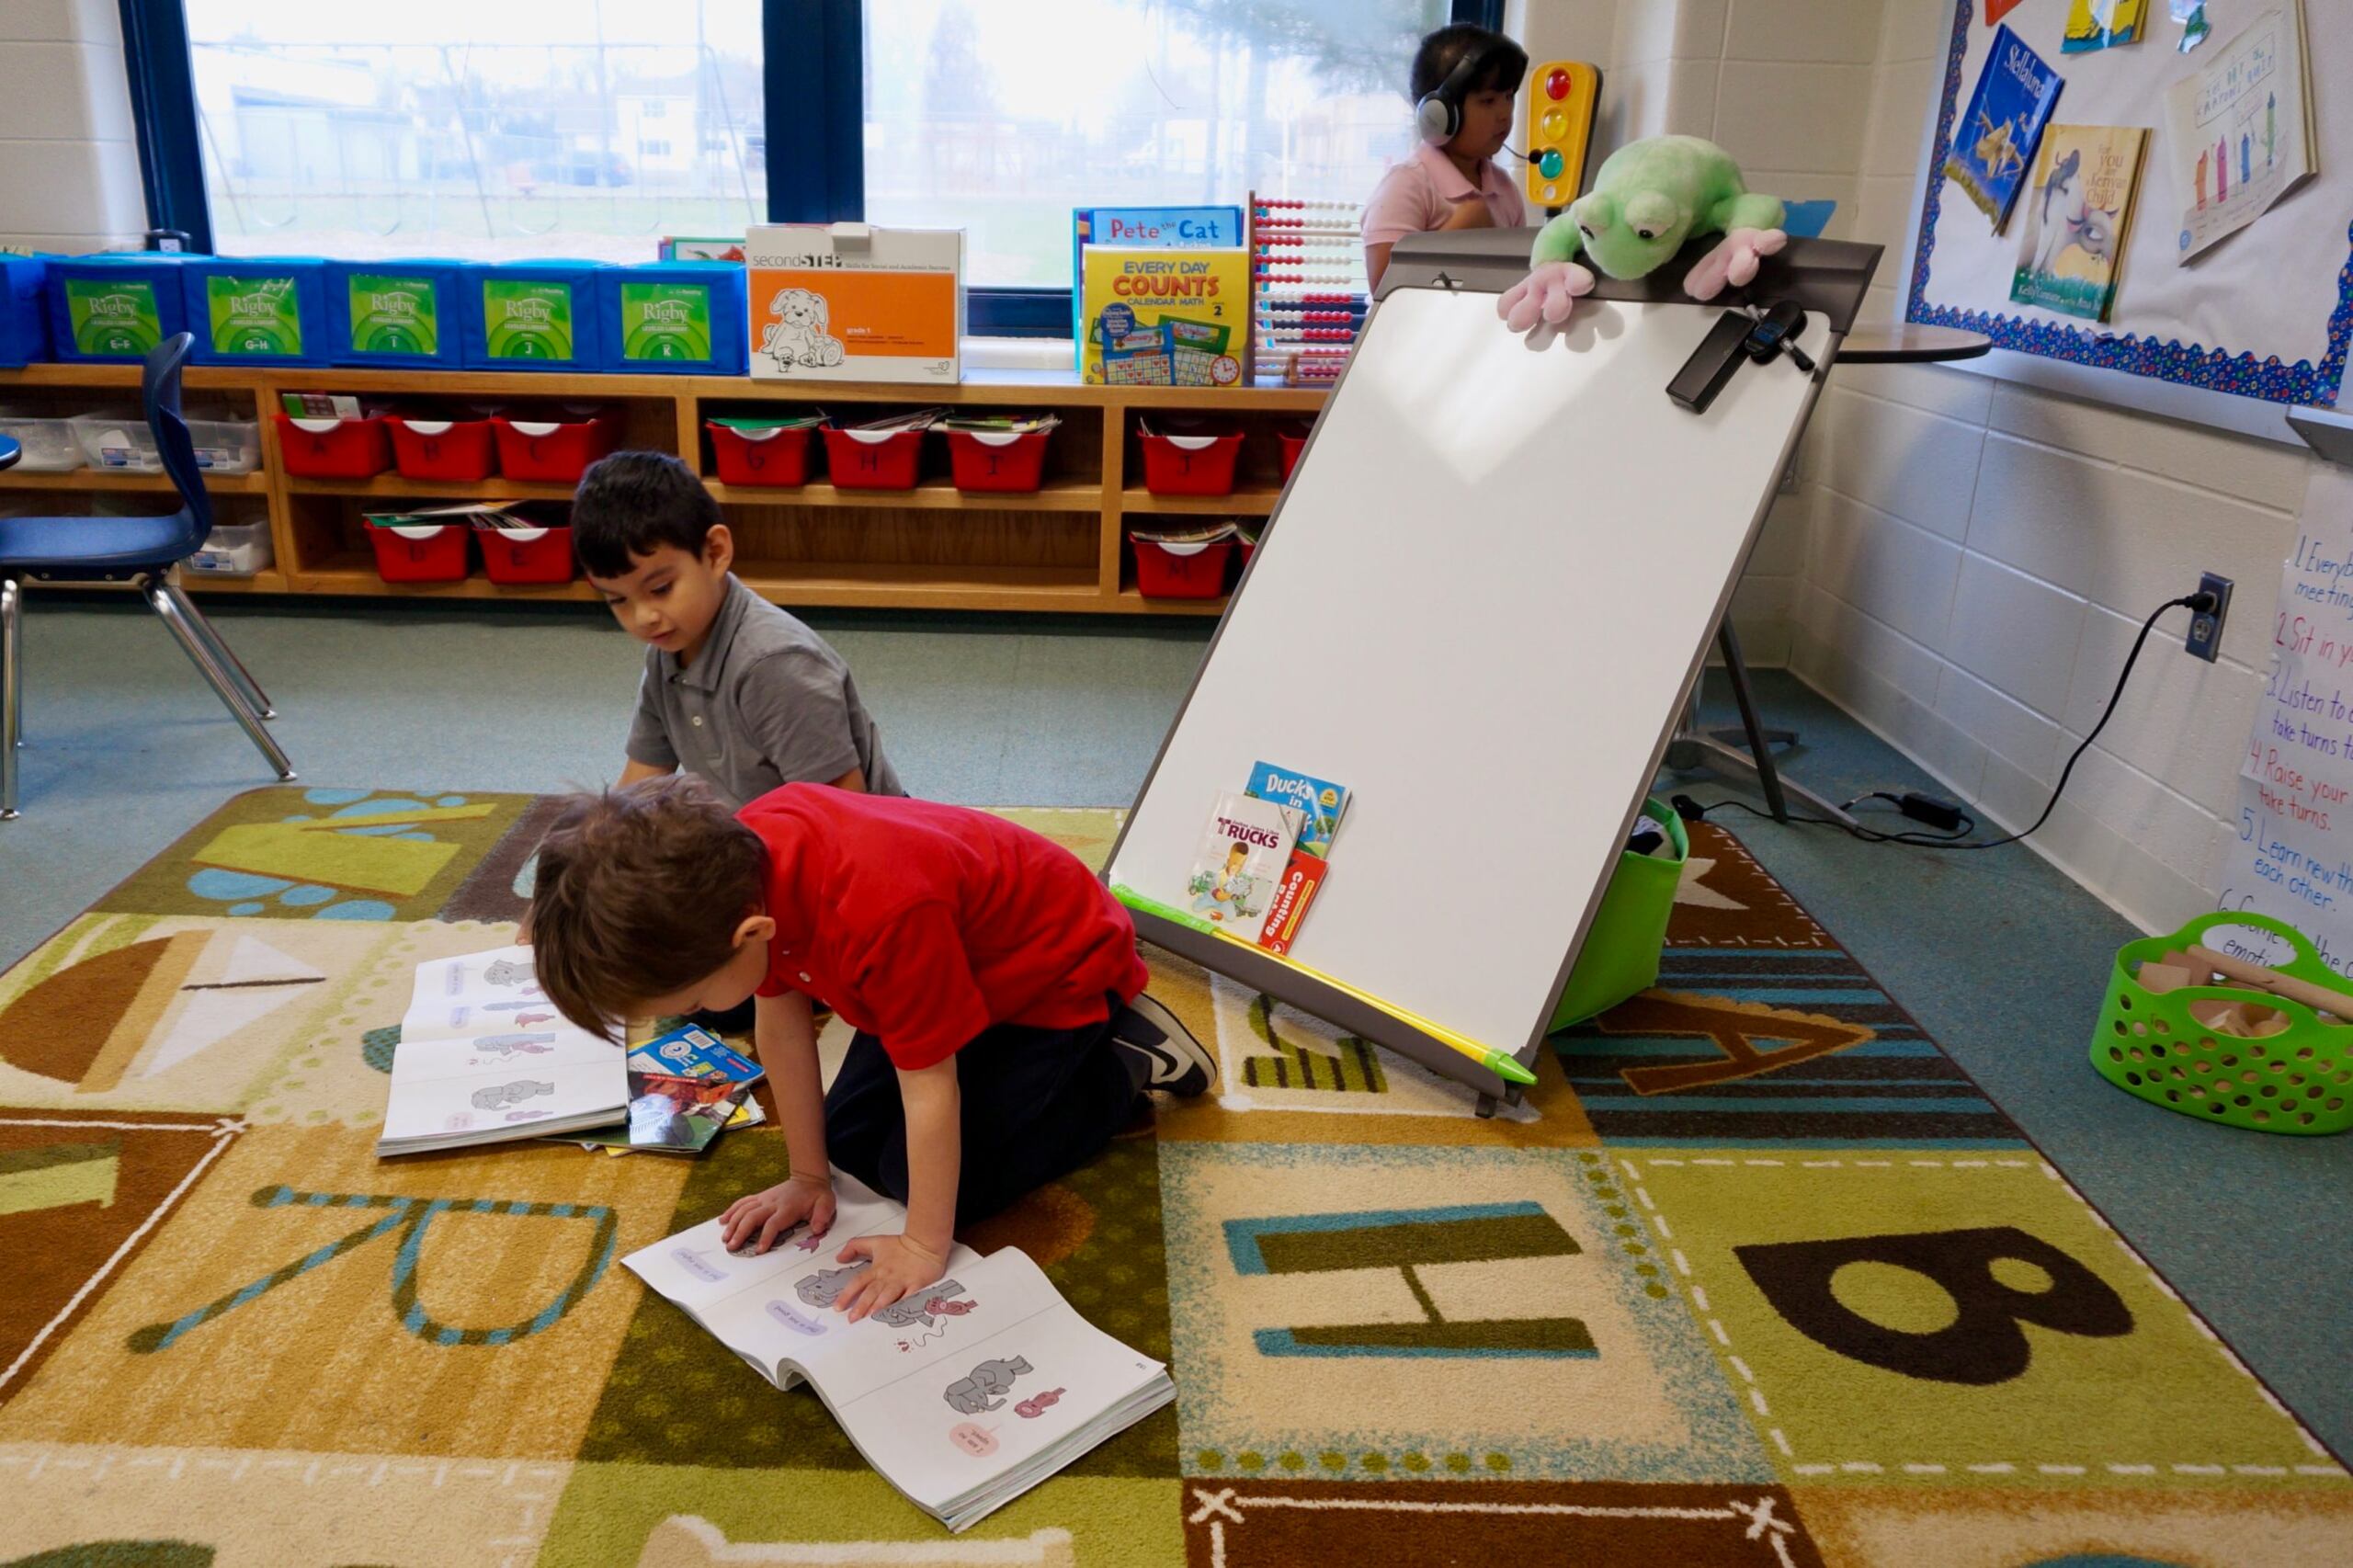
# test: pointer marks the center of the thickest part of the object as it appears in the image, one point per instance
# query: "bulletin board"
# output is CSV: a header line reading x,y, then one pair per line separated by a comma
x,y
2256,325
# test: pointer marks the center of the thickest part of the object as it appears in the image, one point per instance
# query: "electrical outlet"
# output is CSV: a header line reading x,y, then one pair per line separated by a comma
x,y
2206,626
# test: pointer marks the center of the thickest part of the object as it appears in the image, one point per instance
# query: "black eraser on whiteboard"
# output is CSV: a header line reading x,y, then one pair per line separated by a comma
x,y
1711,364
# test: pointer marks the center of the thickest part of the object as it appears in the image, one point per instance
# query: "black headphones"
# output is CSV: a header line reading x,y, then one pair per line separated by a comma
x,y
1438,114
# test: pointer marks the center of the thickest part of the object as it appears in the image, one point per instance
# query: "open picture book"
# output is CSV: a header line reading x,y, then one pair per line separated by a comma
x,y
963,1396
484,1057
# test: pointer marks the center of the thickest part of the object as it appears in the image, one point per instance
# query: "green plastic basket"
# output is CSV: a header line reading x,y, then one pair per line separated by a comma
x,y
1620,953
2297,1081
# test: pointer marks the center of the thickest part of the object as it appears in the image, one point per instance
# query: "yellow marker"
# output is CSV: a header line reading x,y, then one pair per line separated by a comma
x,y
1501,1063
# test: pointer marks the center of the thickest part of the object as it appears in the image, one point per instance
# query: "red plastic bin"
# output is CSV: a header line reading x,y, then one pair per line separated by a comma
x,y
442,449
997,459
436,554
866,460
525,555
775,458
1294,442
557,451
333,449
1189,570
1191,465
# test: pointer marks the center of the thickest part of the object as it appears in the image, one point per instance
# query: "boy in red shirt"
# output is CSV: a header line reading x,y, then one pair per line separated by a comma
x,y
1002,1032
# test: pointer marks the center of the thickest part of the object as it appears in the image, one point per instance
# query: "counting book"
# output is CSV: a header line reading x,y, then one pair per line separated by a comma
x,y
963,1396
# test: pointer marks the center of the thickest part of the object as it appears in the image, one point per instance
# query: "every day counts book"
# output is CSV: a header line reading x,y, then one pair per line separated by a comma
x,y
963,1396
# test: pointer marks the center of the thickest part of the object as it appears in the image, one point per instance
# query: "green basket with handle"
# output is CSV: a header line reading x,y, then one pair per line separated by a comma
x,y
2151,1046
1621,951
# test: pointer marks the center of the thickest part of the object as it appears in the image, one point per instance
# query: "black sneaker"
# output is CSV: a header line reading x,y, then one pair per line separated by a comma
x,y
1174,1061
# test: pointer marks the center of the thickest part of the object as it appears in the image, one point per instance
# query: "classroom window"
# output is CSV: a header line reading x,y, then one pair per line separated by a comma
x,y
461,128
999,119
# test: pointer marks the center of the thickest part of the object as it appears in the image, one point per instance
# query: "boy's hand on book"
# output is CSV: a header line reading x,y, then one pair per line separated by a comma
x,y
900,1268
753,1224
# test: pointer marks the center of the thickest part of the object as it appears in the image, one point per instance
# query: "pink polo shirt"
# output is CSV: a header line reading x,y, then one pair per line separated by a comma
x,y
1413,197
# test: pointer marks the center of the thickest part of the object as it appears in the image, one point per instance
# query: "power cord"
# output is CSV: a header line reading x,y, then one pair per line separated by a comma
x,y
1941,813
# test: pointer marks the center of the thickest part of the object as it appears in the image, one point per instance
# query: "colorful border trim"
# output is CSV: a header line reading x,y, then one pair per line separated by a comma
x,y
2194,365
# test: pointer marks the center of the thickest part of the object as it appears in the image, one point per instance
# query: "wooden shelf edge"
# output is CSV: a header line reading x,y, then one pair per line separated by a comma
x,y
100,478
393,486
931,495
1254,502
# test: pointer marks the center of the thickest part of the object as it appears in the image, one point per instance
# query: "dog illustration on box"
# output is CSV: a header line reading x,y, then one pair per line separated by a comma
x,y
798,334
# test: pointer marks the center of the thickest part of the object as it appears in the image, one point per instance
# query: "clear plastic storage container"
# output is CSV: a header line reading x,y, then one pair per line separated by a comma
x,y
123,442
49,445
233,549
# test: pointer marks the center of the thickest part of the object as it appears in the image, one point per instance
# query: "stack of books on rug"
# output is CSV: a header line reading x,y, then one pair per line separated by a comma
x,y
963,1396
685,1089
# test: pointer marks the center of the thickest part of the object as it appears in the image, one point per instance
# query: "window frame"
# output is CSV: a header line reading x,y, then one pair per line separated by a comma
x,y
815,103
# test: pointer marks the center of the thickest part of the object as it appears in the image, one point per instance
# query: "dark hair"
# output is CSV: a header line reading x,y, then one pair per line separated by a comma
x,y
639,892
632,504
1442,50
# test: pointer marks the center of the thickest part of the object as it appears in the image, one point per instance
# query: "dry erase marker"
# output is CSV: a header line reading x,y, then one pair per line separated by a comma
x,y
1501,1064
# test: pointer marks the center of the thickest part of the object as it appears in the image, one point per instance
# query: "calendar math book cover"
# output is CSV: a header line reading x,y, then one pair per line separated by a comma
x,y
1164,316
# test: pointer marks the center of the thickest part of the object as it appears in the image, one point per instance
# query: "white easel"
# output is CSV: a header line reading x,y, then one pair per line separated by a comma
x,y
1481,603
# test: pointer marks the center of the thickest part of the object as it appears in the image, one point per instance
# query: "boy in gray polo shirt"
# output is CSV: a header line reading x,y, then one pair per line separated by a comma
x,y
735,691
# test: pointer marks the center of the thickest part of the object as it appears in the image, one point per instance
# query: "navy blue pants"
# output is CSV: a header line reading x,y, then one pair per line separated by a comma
x,y
1036,1104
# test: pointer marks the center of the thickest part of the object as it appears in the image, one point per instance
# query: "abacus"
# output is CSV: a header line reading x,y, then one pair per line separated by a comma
x,y
1307,288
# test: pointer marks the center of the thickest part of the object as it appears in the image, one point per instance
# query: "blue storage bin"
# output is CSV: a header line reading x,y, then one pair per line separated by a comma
x,y
531,315
403,315
113,308
24,311
682,317
257,310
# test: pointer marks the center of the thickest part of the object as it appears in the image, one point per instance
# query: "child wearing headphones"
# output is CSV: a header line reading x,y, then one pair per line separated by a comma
x,y
1464,81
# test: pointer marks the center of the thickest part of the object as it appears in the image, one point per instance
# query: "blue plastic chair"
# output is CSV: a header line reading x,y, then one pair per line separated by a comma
x,y
138,551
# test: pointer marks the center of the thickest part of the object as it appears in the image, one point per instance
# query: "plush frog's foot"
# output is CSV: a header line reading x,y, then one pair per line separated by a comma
x,y
1548,292
1734,261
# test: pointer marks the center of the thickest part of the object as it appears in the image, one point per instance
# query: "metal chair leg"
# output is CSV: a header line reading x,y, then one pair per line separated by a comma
x,y
258,698
200,653
12,691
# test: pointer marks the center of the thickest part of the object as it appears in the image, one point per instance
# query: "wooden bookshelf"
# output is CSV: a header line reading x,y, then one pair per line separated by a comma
x,y
1063,548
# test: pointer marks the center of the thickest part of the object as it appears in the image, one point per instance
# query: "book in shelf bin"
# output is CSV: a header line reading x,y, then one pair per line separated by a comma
x,y
963,1396
2078,213
484,1057
2000,130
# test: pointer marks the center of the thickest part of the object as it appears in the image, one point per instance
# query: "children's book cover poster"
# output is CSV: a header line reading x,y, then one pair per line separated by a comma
x,y
1243,852
2103,24
1318,801
2003,125
2078,211
2240,131
1165,317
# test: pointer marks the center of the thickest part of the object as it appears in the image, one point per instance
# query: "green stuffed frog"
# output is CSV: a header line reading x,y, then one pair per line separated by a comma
x,y
1649,198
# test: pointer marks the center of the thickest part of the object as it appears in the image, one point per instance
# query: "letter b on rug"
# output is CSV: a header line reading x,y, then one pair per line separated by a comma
x,y
1984,1342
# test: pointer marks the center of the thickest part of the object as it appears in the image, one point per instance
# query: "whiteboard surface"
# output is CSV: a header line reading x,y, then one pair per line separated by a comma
x,y
2275,289
1479,606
